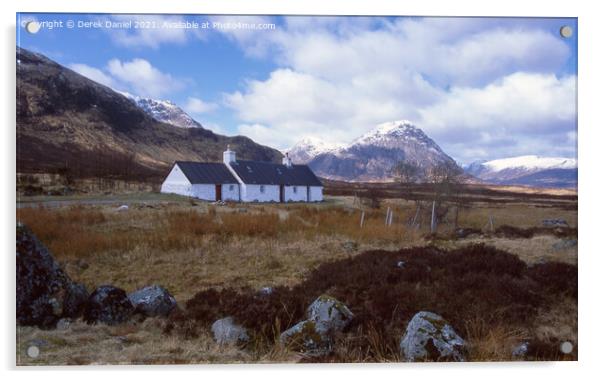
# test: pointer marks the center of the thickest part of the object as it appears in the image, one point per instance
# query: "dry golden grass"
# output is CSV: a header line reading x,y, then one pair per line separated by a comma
x,y
189,246
531,250
83,344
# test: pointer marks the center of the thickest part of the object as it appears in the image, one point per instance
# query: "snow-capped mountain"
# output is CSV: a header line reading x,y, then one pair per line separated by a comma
x,y
164,111
372,156
308,148
528,170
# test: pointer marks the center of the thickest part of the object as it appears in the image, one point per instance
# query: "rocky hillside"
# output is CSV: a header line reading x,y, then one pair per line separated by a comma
x,y
373,156
530,170
70,123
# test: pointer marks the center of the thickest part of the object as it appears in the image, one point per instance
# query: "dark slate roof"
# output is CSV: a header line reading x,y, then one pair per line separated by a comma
x,y
206,172
252,172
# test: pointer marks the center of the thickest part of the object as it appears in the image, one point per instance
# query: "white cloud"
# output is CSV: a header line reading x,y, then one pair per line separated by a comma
x,y
196,105
474,84
143,79
138,77
292,103
94,74
523,113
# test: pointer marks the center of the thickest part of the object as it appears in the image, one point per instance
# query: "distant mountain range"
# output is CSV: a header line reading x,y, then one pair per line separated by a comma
x,y
70,123
530,170
372,156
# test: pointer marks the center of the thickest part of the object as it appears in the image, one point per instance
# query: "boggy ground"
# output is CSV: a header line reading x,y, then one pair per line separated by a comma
x,y
190,247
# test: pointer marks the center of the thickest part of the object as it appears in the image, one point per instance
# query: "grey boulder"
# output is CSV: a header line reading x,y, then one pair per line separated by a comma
x,y
329,314
225,331
429,337
314,336
152,301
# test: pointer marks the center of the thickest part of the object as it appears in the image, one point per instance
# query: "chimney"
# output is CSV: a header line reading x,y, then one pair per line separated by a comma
x,y
286,160
229,156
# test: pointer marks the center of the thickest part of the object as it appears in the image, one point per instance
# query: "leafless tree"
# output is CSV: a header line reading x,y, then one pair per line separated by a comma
x,y
446,180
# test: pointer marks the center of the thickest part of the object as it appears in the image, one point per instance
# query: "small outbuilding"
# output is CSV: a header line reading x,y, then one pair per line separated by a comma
x,y
245,181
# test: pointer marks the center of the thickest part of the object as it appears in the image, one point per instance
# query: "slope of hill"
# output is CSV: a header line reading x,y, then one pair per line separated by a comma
x,y
530,170
372,156
68,122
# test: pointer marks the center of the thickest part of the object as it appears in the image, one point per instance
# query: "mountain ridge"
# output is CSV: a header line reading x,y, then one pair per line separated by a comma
x,y
66,121
373,155
530,170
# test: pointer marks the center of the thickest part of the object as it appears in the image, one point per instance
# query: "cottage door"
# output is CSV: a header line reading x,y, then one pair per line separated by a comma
x,y
218,192
282,193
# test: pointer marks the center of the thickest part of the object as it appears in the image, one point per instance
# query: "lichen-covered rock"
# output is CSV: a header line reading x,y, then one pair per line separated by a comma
x,y
109,305
152,301
326,316
225,331
45,293
429,337
306,338
329,314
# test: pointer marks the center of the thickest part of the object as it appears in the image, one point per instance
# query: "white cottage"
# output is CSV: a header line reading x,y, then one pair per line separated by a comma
x,y
246,181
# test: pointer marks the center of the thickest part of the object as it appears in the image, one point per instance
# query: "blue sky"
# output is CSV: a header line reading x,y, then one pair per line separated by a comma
x,y
482,88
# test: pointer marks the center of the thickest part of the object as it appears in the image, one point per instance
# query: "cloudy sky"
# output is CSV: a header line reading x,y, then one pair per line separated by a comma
x,y
482,88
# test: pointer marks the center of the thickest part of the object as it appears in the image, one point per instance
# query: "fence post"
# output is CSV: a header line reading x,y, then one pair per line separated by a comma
x,y
362,220
433,220
387,216
491,223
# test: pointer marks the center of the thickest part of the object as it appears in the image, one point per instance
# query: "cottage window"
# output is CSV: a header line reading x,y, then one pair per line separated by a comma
x,y
294,189
231,187
262,189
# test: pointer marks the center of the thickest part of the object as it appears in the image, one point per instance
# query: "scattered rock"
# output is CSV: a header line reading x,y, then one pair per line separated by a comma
x,y
153,301
305,337
429,337
123,208
225,331
400,264
329,314
75,300
466,232
63,324
349,246
520,351
45,293
538,261
326,316
109,305
565,244
555,223
266,291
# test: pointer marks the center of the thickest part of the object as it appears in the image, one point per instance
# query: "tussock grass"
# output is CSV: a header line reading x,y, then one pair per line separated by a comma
x,y
193,246
489,296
